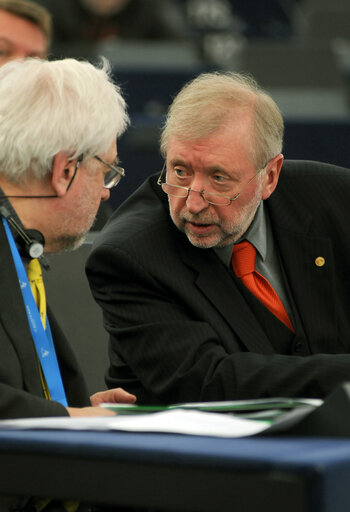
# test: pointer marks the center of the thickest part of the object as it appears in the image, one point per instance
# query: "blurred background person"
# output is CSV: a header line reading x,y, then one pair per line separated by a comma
x,y
25,30
91,21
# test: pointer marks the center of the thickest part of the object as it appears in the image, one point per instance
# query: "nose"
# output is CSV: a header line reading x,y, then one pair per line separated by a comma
x,y
105,194
195,202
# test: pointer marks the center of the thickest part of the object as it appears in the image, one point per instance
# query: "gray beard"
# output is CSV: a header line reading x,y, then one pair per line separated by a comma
x,y
67,243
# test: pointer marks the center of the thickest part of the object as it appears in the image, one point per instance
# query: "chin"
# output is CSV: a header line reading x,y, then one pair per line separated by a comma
x,y
67,243
202,243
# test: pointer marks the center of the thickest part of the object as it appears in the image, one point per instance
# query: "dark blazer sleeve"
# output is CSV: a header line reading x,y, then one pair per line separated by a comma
x,y
179,330
164,352
21,393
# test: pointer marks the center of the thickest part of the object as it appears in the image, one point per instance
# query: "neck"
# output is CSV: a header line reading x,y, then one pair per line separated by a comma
x,y
30,211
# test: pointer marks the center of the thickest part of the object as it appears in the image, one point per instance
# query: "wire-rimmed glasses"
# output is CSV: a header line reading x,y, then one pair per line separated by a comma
x,y
114,175
211,197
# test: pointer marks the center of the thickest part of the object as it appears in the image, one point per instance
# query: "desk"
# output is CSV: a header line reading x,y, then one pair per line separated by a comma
x,y
175,472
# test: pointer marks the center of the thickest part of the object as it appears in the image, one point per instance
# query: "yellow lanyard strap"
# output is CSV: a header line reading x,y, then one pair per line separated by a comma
x,y
35,278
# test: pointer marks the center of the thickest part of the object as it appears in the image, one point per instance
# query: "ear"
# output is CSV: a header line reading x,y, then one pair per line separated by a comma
x,y
62,173
272,175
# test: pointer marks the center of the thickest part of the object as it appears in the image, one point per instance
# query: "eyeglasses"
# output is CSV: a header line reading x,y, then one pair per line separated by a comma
x,y
111,178
114,175
210,197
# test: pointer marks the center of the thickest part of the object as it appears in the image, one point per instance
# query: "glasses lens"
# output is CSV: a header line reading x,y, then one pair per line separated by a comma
x,y
177,191
113,177
216,199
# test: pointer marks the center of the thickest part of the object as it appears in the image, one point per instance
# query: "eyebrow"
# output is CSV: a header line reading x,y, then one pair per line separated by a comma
x,y
211,168
178,161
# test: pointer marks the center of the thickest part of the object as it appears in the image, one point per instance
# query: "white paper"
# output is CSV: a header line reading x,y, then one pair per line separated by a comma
x,y
173,421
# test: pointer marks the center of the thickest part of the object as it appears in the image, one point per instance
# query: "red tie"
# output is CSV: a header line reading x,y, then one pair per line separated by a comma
x,y
243,263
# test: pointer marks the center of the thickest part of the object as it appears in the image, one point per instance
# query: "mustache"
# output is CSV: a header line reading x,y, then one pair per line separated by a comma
x,y
199,218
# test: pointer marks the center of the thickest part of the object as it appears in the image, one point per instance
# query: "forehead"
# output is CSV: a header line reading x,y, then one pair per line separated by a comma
x,y
233,141
111,153
22,32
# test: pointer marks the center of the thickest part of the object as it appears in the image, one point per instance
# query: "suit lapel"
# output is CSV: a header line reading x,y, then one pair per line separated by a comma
x,y
14,319
308,263
218,286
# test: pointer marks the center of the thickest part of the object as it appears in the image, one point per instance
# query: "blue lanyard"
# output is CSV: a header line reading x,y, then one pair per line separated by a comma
x,y
42,339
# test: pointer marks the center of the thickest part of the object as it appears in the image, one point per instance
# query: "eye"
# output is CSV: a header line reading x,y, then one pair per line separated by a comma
x,y
180,173
219,178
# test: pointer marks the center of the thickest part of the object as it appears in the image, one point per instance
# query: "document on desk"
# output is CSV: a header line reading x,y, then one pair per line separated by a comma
x,y
190,420
176,421
259,408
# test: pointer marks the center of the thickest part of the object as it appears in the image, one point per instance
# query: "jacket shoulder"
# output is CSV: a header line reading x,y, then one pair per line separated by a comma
x,y
144,213
309,168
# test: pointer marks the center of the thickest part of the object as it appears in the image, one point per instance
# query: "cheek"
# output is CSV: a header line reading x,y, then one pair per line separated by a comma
x,y
230,215
94,189
87,200
95,200
225,218
176,204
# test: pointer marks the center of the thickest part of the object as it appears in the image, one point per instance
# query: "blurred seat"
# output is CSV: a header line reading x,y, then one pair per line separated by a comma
x,y
327,24
327,21
69,297
151,72
303,78
291,64
161,55
322,19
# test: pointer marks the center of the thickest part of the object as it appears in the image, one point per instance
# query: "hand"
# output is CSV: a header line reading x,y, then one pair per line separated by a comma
x,y
89,411
114,396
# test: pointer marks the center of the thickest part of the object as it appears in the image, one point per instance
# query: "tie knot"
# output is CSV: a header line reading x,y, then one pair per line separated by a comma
x,y
34,270
243,258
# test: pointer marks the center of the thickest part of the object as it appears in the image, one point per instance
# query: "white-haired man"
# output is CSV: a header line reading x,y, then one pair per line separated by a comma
x,y
25,30
58,159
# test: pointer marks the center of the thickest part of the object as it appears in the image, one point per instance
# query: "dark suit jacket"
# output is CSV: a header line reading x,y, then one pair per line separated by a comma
x,y
181,326
21,392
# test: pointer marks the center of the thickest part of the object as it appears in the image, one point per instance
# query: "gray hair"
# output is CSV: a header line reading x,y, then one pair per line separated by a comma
x,y
212,99
48,107
32,12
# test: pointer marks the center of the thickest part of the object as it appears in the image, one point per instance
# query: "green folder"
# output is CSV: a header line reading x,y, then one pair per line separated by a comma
x,y
261,409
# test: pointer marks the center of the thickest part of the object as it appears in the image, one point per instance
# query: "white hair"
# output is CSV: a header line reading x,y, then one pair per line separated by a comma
x,y
212,100
48,107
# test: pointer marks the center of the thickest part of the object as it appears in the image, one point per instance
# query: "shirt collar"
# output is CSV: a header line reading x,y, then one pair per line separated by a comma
x,y
256,234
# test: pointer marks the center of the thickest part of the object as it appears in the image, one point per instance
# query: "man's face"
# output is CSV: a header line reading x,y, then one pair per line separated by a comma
x,y
219,163
19,38
77,210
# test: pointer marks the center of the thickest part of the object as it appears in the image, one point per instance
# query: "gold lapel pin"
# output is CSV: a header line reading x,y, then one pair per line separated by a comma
x,y
320,261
